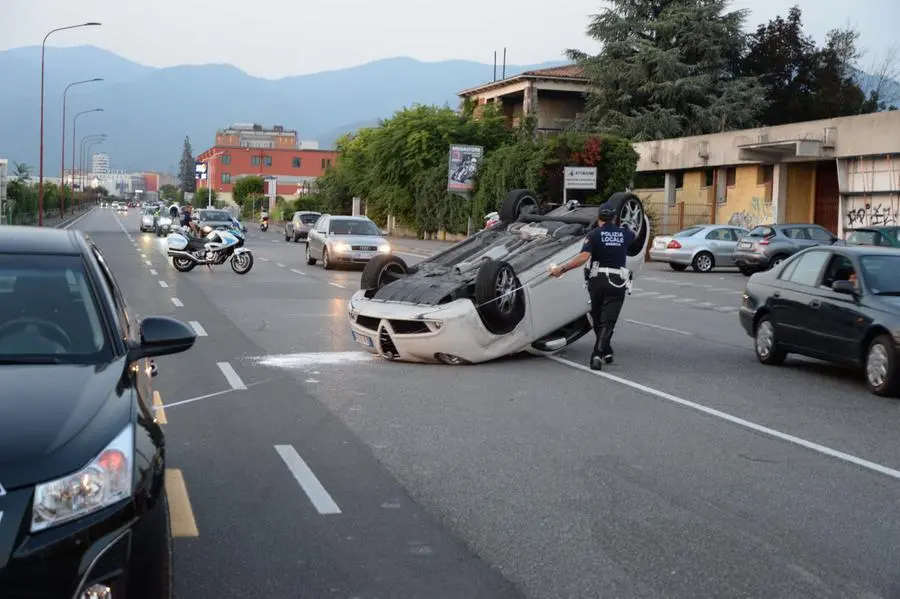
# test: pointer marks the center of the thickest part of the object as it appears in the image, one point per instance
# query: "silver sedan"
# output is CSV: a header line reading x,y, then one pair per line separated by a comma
x,y
702,247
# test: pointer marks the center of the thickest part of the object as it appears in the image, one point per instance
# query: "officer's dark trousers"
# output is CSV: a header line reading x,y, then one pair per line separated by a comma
x,y
606,305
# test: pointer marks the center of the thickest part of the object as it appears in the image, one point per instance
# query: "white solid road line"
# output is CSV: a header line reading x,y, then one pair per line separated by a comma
x,y
263,259
231,376
153,272
317,494
758,428
666,297
163,284
198,328
337,285
177,302
298,272
657,326
72,224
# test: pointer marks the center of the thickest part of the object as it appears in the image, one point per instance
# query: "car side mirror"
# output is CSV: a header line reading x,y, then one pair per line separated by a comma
x,y
162,336
383,232
845,287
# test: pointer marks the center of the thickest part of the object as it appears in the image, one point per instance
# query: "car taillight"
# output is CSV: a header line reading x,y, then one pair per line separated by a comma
x,y
764,242
673,245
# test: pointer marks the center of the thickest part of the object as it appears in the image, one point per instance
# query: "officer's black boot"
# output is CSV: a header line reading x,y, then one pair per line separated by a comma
x,y
603,346
596,362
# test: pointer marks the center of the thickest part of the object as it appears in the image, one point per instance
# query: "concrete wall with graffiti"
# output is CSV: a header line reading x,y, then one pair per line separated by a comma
x,y
871,211
873,188
747,201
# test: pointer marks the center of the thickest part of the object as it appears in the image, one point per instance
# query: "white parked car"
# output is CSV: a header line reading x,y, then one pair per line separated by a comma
x,y
490,295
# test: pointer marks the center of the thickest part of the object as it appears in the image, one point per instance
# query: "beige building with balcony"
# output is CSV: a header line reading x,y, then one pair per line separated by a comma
x,y
555,96
839,173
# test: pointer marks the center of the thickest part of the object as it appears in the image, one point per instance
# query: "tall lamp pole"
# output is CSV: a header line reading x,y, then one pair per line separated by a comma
x,y
41,166
62,161
87,149
85,140
208,160
74,128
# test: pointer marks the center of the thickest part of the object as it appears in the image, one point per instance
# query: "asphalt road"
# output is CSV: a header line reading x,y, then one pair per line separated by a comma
x,y
686,469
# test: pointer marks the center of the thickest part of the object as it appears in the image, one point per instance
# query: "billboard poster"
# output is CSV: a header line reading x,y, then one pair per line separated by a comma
x,y
464,161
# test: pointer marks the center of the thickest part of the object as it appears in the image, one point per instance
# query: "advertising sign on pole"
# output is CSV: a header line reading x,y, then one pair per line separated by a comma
x,y
200,169
464,161
581,177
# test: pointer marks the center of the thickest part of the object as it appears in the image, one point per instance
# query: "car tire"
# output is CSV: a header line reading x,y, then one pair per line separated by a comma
x,y
703,262
631,214
745,271
882,374
309,259
499,298
765,343
296,238
286,236
518,202
777,259
326,261
678,267
382,270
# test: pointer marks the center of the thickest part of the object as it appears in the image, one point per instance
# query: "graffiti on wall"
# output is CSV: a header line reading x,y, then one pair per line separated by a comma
x,y
758,213
866,212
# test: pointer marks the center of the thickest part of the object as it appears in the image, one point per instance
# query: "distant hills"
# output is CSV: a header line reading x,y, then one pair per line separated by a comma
x,y
148,111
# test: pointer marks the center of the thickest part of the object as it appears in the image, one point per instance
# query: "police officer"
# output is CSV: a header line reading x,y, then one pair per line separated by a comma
x,y
606,247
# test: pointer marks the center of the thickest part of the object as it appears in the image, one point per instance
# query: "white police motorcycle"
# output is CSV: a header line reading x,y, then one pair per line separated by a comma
x,y
216,246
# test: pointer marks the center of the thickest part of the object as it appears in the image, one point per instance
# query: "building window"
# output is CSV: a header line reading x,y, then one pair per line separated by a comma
x,y
765,173
709,175
679,179
730,176
326,162
295,162
226,178
267,160
647,180
254,161
226,159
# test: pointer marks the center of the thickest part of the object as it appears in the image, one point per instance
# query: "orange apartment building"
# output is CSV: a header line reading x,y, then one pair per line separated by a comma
x,y
245,150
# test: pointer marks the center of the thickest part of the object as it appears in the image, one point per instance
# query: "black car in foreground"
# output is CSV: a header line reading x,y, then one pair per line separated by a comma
x,y
83,510
838,304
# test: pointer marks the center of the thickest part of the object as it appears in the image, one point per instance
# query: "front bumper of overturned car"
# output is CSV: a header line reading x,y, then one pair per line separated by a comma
x,y
450,333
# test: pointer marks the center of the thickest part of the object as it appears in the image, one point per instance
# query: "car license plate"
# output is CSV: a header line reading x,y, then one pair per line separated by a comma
x,y
363,255
659,244
744,244
362,339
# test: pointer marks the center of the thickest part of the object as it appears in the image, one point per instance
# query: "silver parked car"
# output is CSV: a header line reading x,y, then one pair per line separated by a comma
x,y
767,246
344,240
702,247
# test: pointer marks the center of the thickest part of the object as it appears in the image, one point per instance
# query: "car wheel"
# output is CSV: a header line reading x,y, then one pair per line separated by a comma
x,y
745,271
703,262
777,259
632,216
678,267
518,202
766,344
286,236
498,297
882,376
382,270
296,238
326,261
309,259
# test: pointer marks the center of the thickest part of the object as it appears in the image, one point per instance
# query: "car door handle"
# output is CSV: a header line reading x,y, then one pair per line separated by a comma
x,y
776,294
815,304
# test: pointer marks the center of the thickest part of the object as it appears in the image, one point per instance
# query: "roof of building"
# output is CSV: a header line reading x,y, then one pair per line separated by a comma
x,y
570,72
37,240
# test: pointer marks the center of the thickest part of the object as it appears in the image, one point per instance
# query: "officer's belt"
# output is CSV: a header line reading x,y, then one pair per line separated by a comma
x,y
595,271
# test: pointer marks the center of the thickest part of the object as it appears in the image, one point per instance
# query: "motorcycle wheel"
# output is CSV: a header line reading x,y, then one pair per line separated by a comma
x,y
242,263
183,264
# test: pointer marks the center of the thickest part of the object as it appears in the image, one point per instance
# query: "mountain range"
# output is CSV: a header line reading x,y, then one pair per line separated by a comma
x,y
148,111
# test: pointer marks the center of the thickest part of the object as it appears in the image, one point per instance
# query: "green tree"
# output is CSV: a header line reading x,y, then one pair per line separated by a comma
x,y
21,171
186,175
247,186
168,193
668,68
202,196
804,82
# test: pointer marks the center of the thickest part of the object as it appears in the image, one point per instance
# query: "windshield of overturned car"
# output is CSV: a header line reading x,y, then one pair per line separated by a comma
x,y
48,312
215,216
346,226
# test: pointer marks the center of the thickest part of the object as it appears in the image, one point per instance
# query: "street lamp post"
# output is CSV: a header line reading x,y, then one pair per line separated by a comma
x,y
74,127
209,177
62,160
84,140
41,160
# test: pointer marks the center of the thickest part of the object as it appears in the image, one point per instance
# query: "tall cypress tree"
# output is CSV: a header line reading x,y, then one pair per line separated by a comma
x,y
669,68
186,168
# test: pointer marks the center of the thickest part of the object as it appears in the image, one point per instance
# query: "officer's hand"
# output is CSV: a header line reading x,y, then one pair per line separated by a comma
x,y
556,271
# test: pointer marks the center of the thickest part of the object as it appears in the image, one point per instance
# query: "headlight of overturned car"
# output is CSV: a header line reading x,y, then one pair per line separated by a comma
x,y
165,220
105,480
340,247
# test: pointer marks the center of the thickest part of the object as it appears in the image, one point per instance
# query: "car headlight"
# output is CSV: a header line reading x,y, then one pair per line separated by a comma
x,y
107,479
384,248
165,220
340,246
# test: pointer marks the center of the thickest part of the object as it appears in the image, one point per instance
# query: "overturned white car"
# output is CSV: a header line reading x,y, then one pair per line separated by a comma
x,y
490,295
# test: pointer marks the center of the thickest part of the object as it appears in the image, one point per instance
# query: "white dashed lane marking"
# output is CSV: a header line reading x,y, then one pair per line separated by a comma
x,y
198,328
177,302
163,284
231,376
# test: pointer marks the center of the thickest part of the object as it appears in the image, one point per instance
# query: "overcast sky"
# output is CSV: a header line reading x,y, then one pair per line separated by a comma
x,y
277,38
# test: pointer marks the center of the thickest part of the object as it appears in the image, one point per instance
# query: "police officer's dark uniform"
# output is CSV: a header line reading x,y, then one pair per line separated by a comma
x,y
608,279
